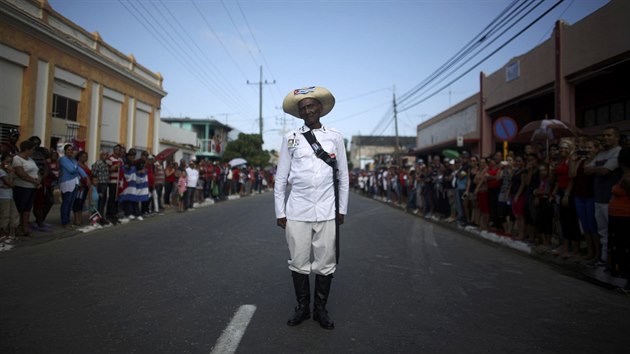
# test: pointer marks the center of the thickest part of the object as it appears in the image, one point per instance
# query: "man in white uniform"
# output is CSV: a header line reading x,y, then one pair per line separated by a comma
x,y
308,214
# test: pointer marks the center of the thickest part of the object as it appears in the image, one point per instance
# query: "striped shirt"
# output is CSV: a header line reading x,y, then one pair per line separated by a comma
x,y
159,174
113,175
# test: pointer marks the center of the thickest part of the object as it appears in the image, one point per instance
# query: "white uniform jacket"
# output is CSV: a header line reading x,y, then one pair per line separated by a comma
x,y
312,196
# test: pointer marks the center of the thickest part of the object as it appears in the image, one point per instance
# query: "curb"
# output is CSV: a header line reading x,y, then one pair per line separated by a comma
x,y
57,232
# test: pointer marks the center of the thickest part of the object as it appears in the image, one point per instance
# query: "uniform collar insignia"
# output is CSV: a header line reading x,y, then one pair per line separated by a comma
x,y
304,129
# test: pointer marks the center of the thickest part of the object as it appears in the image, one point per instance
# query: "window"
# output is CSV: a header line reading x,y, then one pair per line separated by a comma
x,y
606,114
10,92
589,118
65,108
616,112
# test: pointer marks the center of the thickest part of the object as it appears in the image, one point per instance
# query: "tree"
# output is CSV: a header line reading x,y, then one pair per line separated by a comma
x,y
249,147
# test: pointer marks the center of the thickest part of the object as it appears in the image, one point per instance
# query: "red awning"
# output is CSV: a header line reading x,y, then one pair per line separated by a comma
x,y
166,153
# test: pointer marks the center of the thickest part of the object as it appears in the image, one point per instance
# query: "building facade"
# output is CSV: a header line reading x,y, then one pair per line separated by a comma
x,y
212,135
366,151
66,85
579,75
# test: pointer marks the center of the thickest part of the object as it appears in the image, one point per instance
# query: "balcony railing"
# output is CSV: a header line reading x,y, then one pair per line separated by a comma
x,y
211,147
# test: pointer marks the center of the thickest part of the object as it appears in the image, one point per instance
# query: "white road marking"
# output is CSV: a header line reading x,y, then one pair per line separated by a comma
x,y
231,337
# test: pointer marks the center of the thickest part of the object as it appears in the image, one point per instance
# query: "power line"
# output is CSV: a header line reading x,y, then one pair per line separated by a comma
x,y
453,71
262,55
200,54
218,39
387,116
159,37
364,111
474,42
201,68
239,33
482,60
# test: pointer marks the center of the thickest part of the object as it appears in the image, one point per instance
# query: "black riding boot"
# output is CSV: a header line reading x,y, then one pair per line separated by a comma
x,y
303,296
322,289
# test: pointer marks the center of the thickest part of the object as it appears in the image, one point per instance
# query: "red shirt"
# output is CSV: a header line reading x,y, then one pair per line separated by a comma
x,y
171,178
88,172
562,174
493,182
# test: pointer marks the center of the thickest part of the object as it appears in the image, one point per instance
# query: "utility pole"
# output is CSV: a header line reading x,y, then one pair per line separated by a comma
x,y
396,127
260,98
359,150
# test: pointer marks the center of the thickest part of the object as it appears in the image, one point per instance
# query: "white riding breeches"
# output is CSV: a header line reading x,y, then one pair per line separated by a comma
x,y
318,237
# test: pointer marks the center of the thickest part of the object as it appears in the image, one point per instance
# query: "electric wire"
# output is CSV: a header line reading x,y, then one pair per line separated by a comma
x,y
364,111
262,55
387,116
205,20
160,39
201,55
482,60
474,42
256,63
190,58
453,71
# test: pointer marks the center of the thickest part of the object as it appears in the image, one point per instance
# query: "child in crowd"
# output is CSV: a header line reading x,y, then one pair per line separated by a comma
x,y
181,190
9,217
93,198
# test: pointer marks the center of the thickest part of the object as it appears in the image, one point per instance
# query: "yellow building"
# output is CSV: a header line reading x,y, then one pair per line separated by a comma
x,y
64,84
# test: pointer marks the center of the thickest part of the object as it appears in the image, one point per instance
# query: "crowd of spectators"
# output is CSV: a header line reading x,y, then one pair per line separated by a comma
x,y
570,199
121,186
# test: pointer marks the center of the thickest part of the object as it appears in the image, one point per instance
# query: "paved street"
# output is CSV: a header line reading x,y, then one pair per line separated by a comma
x,y
171,284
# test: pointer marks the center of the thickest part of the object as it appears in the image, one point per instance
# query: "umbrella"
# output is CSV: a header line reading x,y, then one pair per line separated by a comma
x,y
547,129
451,154
237,162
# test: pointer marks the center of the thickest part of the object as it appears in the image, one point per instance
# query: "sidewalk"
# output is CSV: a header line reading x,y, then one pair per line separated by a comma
x,y
597,275
56,231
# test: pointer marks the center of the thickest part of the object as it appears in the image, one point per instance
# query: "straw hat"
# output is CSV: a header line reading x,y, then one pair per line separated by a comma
x,y
322,95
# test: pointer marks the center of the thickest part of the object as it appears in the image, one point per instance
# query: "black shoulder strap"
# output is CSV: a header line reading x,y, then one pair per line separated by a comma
x,y
332,162
319,150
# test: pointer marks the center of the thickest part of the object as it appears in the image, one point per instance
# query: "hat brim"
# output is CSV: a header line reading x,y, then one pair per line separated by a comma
x,y
322,95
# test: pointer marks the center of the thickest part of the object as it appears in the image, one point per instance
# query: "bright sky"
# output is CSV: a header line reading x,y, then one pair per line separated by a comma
x,y
360,50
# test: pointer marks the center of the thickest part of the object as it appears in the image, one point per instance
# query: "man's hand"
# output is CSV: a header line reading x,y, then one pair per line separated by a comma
x,y
282,222
340,218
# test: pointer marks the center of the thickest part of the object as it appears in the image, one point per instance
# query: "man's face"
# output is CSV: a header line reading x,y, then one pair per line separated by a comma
x,y
610,138
310,110
103,155
498,157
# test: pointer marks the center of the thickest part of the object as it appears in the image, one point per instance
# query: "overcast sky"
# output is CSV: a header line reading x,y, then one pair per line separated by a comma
x,y
360,50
